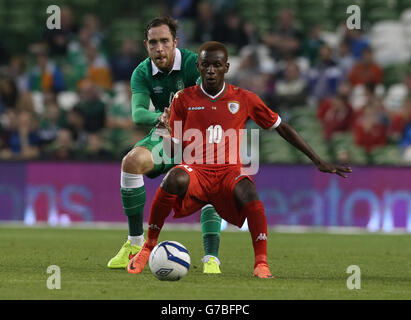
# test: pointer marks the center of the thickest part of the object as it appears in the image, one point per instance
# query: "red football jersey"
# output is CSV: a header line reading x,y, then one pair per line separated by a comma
x,y
210,127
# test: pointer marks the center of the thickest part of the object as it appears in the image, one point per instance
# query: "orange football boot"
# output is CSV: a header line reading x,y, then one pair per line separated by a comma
x,y
262,271
139,261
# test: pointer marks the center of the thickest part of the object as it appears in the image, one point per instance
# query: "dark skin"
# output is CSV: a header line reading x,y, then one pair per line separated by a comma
x,y
213,66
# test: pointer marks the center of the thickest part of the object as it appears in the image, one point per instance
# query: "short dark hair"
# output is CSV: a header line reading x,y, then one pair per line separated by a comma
x,y
213,46
163,20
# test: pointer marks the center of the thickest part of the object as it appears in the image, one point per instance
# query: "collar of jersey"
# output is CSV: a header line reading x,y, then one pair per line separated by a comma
x,y
176,65
217,96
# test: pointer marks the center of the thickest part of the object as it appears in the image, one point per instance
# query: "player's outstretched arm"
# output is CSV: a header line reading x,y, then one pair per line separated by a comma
x,y
292,136
140,103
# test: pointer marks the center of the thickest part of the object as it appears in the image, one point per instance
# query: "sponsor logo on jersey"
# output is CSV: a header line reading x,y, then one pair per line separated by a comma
x,y
195,108
158,89
233,106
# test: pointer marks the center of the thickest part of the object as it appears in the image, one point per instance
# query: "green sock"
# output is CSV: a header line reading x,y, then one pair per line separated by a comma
x,y
133,204
210,227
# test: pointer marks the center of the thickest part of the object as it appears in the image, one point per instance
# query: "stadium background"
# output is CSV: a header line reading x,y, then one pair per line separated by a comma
x,y
346,91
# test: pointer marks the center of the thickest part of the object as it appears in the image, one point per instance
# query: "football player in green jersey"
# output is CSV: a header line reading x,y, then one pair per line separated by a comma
x,y
166,71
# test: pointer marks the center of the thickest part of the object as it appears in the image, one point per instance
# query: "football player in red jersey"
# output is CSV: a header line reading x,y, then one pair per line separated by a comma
x,y
218,111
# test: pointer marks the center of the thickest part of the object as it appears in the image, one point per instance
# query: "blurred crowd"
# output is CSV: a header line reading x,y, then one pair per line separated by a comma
x,y
68,98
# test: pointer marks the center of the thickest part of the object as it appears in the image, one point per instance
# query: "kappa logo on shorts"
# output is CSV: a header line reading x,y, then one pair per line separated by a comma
x,y
233,106
261,236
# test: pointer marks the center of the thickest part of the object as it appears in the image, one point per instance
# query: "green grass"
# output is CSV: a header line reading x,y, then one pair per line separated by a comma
x,y
306,266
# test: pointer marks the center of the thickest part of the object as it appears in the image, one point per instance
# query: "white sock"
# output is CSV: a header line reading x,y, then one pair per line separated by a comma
x,y
136,240
131,180
207,257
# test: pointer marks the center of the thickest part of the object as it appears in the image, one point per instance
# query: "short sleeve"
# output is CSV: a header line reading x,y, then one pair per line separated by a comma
x,y
261,114
177,117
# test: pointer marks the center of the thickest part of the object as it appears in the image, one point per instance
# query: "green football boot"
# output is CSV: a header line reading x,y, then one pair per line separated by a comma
x,y
211,264
121,259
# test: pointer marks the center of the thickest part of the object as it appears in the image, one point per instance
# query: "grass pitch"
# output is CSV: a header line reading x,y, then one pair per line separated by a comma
x,y
305,266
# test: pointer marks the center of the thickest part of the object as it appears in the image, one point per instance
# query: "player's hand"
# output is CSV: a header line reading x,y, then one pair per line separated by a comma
x,y
330,168
165,117
163,128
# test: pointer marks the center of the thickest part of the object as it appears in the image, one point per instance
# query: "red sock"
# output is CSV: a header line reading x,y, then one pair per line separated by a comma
x,y
257,225
161,207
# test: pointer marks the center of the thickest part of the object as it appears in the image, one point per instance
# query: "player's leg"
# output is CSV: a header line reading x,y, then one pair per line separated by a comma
x,y
249,206
135,164
210,228
174,185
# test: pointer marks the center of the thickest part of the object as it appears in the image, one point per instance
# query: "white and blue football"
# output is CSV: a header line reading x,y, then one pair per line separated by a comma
x,y
169,261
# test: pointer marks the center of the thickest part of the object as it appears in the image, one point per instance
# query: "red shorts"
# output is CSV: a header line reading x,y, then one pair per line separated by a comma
x,y
211,186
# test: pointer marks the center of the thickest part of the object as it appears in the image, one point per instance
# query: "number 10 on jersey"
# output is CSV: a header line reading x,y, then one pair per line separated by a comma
x,y
215,133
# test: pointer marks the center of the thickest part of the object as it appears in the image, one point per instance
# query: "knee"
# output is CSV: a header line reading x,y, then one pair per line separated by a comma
x,y
137,161
244,193
176,182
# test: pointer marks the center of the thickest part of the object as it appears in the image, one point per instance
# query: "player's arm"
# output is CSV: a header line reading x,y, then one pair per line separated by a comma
x,y
140,99
268,119
288,133
140,103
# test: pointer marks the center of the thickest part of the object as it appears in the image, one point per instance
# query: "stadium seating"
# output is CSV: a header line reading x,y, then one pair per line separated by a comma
x,y
388,155
394,74
391,49
394,97
125,28
403,5
312,11
389,23
406,24
343,142
20,15
274,149
3,15
379,14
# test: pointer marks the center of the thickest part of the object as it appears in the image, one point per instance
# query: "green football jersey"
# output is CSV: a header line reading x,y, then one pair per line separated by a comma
x,y
160,86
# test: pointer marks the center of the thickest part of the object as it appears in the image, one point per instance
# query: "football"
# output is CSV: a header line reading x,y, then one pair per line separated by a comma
x,y
169,261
